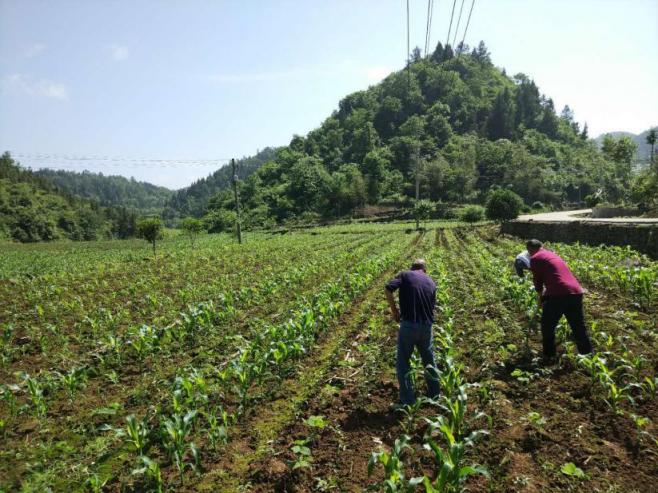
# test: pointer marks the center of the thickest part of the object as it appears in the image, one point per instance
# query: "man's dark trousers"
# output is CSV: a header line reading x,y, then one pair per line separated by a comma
x,y
415,335
571,306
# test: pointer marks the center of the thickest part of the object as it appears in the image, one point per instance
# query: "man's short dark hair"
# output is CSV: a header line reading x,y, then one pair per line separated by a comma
x,y
534,244
419,264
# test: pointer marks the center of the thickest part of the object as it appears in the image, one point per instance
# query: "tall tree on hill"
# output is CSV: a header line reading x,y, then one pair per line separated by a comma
x,y
548,124
437,55
501,120
528,106
651,140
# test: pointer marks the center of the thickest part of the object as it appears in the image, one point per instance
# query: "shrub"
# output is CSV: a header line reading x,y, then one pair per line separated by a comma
x,y
472,214
592,200
537,205
192,227
503,205
219,220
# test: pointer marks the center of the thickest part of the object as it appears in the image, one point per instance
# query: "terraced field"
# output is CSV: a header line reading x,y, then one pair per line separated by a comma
x,y
270,367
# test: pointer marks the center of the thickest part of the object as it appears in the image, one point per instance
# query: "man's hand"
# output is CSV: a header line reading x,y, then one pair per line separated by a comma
x,y
391,303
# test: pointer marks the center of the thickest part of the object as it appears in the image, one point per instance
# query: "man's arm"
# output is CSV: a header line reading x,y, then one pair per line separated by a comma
x,y
537,279
391,303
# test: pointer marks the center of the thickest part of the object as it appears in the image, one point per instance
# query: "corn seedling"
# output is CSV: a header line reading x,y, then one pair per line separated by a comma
x,y
174,438
451,472
73,381
394,478
35,391
150,469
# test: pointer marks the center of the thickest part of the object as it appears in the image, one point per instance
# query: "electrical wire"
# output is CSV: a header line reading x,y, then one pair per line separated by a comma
x,y
468,23
459,18
76,160
454,2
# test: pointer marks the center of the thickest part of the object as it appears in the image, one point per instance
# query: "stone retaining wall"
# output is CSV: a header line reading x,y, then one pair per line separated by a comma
x,y
606,212
641,237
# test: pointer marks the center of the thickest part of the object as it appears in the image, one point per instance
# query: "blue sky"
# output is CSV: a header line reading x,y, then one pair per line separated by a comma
x,y
203,80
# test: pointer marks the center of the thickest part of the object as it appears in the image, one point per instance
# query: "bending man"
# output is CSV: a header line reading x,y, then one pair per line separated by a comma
x,y
416,316
559,294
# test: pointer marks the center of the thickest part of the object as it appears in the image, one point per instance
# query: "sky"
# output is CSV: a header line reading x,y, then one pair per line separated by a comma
x,y
166,91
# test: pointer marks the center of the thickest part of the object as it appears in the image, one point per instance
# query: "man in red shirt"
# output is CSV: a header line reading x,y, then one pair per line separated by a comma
x,y
559,294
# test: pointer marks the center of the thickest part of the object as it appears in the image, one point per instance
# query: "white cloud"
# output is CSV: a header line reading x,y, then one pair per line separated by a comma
x,y
34,50
119,52
27,85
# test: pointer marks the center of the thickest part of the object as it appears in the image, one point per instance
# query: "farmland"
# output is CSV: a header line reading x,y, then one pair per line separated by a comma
x,y
269,366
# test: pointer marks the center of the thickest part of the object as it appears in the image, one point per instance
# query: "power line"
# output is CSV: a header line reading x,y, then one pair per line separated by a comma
x,y
78,160
459,18
454,2
429,31
427,27
468,22
408,50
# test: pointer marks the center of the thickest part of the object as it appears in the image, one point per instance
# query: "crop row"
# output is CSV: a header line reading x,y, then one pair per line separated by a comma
x,y
447,436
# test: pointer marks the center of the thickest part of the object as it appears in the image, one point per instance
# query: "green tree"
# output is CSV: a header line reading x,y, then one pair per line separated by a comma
x,y
501,120
192,227
651,140
503,205
150,228
422,210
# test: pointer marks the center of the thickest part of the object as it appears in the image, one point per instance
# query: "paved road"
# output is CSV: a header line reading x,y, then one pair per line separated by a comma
x,y
566,216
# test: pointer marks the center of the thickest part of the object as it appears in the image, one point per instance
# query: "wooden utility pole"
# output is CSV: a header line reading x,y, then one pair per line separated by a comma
x,y
417,169
237,200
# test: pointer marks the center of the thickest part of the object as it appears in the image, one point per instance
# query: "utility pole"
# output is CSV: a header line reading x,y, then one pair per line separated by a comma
x,y
237,200
417,169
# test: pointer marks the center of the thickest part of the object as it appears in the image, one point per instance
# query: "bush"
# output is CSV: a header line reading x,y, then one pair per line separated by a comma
x,y
220,220
592,200
503,205
537,205
192,227
472,214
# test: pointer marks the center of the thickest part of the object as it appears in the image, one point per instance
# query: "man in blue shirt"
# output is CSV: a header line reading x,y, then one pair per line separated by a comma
x,y
416,316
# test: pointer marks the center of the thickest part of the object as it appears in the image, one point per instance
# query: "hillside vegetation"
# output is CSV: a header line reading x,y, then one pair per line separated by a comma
x,y
192,200
456,123
33,209
109,190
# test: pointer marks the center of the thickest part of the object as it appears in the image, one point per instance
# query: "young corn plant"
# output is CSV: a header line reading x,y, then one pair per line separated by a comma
x,y
394,478
150,469
217,427
74,380
451,471
135,433
175,432
35,391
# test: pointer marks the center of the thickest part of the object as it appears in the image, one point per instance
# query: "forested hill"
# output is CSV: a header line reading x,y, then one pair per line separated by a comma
x,y
643,147
192,200
32,209
457,122
109,190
